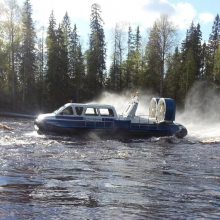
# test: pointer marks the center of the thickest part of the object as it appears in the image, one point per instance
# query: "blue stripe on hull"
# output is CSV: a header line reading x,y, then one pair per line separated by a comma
x,y
116,126
79,124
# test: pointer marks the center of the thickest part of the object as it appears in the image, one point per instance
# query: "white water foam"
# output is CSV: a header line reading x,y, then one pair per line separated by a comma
x,y
121,101
201,116
202,113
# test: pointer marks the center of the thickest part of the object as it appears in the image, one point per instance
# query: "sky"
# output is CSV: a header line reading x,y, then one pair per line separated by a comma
x,y
128,12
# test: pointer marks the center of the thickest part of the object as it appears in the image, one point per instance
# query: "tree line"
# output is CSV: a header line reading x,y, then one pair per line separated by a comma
x,y
42,72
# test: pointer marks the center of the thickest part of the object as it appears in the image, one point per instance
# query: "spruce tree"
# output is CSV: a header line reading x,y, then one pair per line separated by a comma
x,y
62,67
211,49
41,70
216,69
96,55
192,59
115,80
57,64
138,40
173,77
51,62
28,57
138,66
76,67
129,64
66,29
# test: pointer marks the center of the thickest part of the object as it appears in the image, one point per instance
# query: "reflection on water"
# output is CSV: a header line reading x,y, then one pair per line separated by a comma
x,y
58,177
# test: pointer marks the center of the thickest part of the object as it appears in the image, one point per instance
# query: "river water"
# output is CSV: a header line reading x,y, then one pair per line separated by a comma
x,y
58,177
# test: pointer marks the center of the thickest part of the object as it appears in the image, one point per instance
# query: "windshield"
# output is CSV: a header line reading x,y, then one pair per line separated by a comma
x,y
59,109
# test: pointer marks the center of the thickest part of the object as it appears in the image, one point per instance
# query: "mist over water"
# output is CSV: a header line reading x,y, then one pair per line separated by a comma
x,y
201,115
202,112
121,101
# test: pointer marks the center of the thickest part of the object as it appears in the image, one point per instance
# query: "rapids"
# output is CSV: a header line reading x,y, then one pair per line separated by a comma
x,y
61,177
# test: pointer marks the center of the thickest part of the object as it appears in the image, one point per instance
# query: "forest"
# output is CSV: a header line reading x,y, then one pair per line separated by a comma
x,y
40,72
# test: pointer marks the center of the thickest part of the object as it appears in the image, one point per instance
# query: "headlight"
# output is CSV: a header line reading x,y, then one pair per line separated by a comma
x,y
40,118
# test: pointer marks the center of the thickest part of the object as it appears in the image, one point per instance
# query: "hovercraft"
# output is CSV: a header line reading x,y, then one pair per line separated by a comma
x,y
77,118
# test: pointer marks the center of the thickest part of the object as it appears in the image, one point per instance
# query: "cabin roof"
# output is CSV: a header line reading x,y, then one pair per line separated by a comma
x,y
90,105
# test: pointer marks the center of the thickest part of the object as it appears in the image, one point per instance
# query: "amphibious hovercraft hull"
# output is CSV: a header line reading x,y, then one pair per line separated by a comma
x,y
74,118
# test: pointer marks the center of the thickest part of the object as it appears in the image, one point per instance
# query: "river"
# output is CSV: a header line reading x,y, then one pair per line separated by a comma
x,y
59,177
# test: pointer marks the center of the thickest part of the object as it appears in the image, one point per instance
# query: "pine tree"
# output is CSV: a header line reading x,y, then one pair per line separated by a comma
x,y
96,54
28,57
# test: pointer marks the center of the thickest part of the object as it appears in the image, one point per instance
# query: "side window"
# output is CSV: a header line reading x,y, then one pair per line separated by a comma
x,y
91,112
106,112
111,113
67,111
79,110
